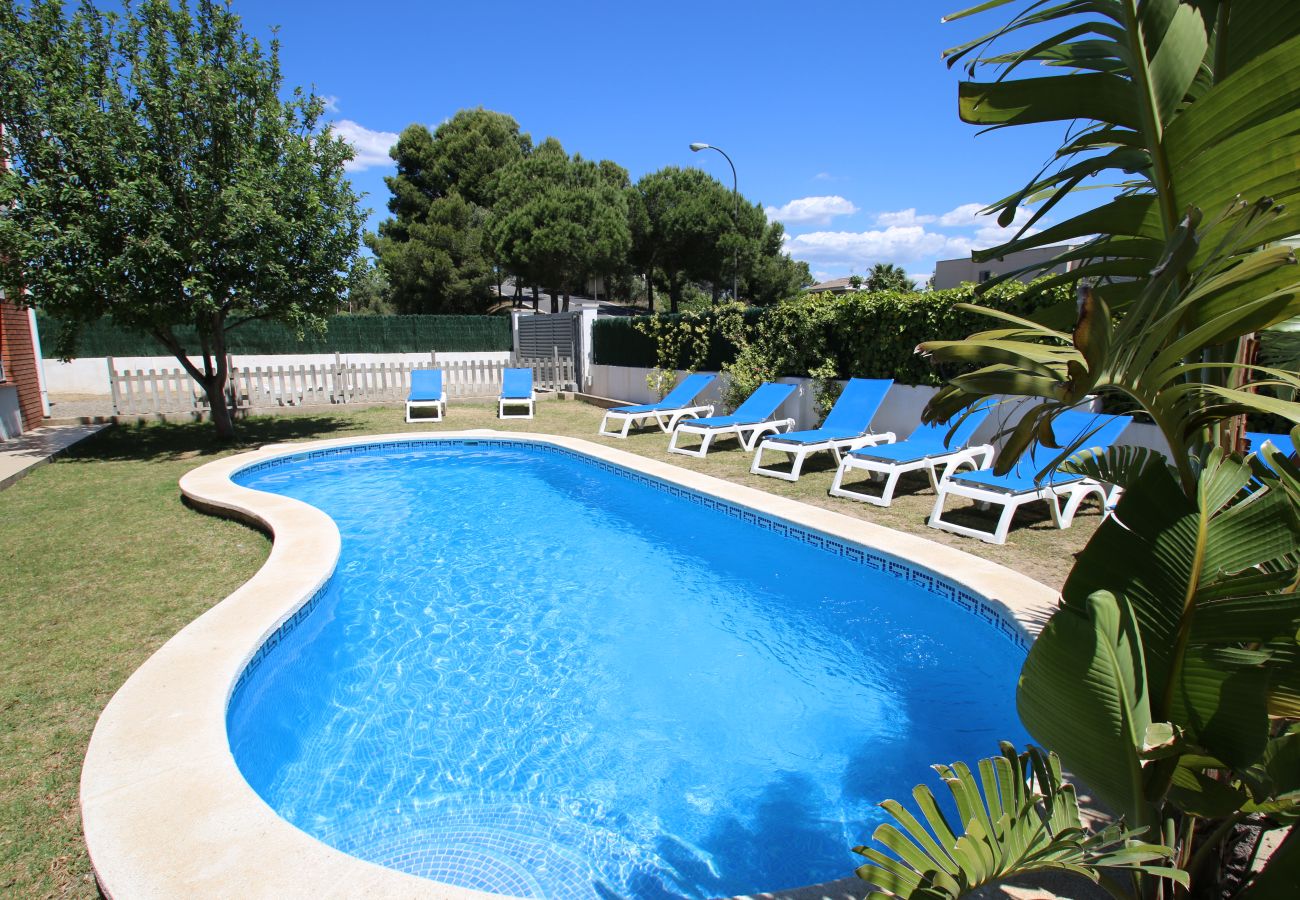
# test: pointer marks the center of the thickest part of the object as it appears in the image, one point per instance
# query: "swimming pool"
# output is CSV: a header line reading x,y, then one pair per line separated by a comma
x,y
578,680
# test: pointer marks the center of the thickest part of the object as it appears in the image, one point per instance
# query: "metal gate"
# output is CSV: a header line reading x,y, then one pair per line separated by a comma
x,y
545,336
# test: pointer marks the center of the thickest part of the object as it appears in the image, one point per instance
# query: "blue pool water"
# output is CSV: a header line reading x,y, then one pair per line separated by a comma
x,y
534,676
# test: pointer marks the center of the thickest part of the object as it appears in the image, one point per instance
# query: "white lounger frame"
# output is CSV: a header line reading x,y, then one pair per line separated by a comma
x,y
530,402
800,452
438,406
977,457
1074,493
755,431
666,419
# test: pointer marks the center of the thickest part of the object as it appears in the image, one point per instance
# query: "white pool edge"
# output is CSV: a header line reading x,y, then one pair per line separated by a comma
x,y
165,810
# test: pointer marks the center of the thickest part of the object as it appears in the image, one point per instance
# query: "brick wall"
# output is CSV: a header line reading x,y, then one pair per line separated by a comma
x,y
20,361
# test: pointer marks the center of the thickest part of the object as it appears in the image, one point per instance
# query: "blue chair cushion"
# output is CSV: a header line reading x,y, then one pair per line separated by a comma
x,y
517,384
814,436
857,404
426,384
1016,481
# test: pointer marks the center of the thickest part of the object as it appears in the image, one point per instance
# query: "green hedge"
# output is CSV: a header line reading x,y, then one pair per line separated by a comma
x,y
864,335
344,334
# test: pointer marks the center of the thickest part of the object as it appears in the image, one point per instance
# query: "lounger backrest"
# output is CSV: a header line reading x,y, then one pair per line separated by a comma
x,y
685,392
763,402
426,384
856,405
966,430
517,383
1281,441
1102,431
934,435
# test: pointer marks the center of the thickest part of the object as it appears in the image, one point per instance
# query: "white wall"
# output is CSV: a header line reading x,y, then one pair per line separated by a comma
x,y
90,375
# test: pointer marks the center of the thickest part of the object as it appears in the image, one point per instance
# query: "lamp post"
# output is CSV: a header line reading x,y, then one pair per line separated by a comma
x,y
735,193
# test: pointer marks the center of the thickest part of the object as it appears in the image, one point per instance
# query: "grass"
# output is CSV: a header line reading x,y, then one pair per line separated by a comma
x,y
103,563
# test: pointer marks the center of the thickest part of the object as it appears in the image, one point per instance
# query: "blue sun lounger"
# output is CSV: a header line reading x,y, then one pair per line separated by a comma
x,y
1018,487
925,448
516,390
667,412
753,418
426,393
846,428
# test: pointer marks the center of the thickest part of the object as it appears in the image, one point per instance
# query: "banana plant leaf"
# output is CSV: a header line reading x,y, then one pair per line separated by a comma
x,y
1155,355
1193,104
1019,816
1196,574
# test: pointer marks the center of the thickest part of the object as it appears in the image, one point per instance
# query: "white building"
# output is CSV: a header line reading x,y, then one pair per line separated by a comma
x,y
948,273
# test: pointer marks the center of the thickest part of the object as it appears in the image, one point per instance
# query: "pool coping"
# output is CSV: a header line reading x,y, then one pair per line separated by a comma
x,y
165,810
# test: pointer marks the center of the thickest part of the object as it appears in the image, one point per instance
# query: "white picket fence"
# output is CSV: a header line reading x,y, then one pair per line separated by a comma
x,y
173,390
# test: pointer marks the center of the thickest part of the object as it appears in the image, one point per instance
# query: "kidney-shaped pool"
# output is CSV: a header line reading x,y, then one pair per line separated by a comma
x,y
538,674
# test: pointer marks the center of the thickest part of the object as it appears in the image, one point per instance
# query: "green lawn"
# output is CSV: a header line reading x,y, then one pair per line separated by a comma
x,y
103,563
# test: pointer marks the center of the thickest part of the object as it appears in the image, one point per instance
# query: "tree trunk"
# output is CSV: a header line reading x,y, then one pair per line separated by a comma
x,y
535,301
219,408
555,300
716,293
566,300
650,288
674,293
212,377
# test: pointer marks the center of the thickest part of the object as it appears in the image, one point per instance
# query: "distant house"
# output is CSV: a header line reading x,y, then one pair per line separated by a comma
x,y
20,386
836,286
948,273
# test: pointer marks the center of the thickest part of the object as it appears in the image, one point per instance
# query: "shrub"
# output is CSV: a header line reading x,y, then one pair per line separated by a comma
x,y
857,334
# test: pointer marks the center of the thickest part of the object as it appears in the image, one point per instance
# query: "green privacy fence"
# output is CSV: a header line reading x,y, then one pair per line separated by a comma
x,y
344,334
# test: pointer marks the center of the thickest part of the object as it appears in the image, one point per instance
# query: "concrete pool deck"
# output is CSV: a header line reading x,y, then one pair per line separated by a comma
x,y
166,811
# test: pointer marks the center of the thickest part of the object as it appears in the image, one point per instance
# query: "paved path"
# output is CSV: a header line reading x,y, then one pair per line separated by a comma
x,y
27,451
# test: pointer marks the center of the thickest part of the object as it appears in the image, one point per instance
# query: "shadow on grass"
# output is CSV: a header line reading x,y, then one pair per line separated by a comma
x,y
171,441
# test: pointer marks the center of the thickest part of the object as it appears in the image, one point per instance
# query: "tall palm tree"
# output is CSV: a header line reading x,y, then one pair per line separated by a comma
x,y
888,277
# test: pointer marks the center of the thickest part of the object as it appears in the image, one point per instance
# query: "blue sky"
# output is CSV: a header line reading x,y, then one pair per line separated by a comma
x,y
839,114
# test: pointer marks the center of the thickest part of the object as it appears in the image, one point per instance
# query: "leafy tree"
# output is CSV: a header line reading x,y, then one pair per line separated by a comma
x,y
469,152
559,220
683,224
771,275
433,249
888,277
367,289
1169,677
437,265
159,178
666,212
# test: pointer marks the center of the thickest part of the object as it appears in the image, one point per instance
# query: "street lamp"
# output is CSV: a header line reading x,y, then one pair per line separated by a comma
x,y
735,193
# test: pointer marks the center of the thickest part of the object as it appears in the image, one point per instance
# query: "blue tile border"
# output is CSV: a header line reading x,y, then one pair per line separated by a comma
x,y
274,640
932,582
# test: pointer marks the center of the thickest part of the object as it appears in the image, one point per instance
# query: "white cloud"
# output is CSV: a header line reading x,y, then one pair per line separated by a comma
x,y
906,237
902,217
811,210
371,147
862,249
824,176
965,216
331,103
